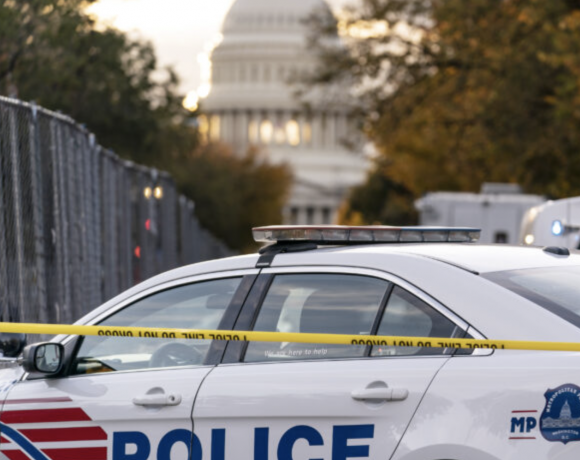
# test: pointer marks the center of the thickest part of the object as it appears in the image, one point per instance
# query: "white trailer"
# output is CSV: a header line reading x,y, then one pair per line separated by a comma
x,y
498,210
554,223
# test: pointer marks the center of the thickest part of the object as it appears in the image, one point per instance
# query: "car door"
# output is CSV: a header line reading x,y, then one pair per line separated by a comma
x,y
314,401
127,398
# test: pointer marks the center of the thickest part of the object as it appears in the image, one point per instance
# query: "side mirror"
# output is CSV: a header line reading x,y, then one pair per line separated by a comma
x,y
11,345
46,358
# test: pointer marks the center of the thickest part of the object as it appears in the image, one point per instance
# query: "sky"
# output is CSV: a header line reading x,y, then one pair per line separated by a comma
x,y
182,31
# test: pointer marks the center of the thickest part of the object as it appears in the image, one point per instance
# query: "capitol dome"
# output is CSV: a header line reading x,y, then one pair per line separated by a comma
x,y
252,102
249,16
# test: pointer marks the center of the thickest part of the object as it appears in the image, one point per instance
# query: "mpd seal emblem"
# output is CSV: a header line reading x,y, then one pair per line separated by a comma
x,y
560,420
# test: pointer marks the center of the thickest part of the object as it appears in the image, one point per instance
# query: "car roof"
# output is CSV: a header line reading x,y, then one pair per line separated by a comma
x,y
472,257
490,258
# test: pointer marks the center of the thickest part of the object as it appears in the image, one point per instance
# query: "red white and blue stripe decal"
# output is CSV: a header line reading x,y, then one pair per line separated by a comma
x,y
50,429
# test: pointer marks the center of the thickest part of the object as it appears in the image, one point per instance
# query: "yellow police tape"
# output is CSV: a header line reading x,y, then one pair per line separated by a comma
x,y
259,336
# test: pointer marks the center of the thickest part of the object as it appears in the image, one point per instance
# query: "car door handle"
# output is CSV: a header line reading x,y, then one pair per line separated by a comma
x,y
157,400
380,394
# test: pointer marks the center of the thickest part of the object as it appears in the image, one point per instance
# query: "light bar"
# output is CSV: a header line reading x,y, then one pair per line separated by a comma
x,y
338,234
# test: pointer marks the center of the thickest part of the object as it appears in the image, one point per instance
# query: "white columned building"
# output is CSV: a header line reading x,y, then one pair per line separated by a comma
x,y
251,102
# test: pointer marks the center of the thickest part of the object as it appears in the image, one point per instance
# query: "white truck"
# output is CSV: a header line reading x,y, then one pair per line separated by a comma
x,y
497,210
553,223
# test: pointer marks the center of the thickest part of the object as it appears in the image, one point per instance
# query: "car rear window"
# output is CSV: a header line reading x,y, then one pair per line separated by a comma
x,y
556,288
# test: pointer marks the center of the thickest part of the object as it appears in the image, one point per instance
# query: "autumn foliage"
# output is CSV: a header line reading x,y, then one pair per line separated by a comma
x,y
233,193
455,93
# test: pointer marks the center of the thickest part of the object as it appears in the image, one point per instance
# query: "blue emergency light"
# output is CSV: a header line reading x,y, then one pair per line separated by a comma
x,y
557,228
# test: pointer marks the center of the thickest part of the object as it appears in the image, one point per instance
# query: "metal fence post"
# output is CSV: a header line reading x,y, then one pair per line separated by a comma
x,y
4,294
94,224
124,225
60,231
17,212
40,297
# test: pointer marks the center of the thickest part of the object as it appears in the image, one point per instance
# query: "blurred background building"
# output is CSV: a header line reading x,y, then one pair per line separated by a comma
x,y
497,210
252,102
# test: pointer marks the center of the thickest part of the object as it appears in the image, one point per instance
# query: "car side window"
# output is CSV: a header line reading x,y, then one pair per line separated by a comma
x,y
408,316
194,306
317,303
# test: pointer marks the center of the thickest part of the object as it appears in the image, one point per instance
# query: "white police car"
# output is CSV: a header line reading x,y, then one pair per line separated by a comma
x,y
140,398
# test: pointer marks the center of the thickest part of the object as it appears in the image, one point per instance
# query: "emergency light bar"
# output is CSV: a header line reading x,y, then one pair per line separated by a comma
x,y
338,234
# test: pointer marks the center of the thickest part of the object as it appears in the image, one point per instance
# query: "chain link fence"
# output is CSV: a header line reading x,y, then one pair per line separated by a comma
x,y
77,223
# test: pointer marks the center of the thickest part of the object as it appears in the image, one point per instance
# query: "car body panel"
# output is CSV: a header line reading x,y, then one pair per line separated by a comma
x,y
494,406
94,416
314,395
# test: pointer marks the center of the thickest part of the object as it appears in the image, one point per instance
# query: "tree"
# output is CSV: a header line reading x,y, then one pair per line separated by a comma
x,y
455,93
380,200
52,53
233,193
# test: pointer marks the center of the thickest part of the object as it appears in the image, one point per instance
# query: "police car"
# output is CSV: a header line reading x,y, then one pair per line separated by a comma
x,y
137,398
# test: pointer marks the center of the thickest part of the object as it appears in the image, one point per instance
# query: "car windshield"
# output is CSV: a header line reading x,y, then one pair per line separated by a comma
x,y
556,288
